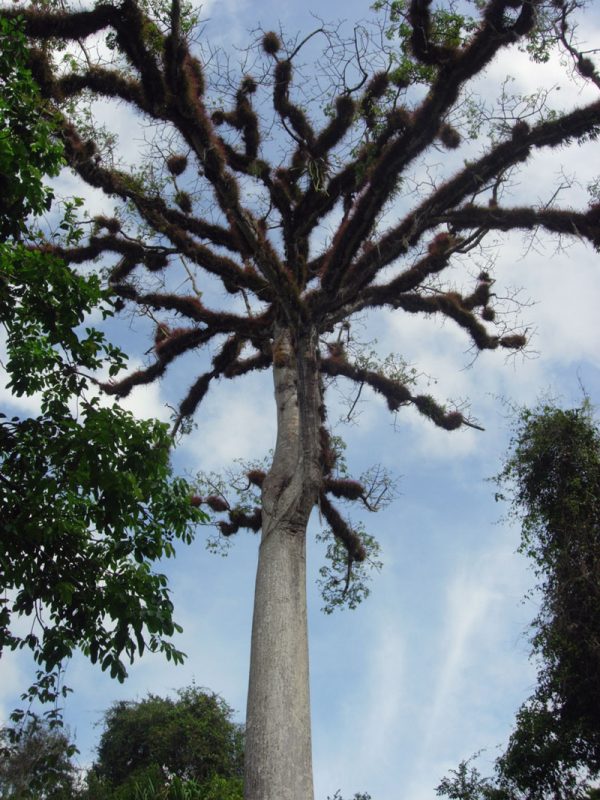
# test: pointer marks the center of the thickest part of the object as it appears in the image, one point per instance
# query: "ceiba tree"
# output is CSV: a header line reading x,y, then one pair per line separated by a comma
x,y
285,209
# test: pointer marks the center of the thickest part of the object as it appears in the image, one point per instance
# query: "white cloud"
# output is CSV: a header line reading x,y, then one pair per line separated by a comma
x,y
468,602
11,683
386,678
237,421
146,402
26,405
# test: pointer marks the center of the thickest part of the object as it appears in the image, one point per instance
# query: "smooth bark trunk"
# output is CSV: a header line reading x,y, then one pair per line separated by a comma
x,y
278,736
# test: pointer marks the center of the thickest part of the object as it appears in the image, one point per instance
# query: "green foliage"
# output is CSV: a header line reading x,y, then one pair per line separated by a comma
x,y
150,787
467,783
159,749
552,475
27,148
219,788
448,29
554,469
87,501
191,738
344,583
83,494
38,765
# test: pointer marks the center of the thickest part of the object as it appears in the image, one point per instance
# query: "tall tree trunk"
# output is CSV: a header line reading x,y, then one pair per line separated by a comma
x,y
278,737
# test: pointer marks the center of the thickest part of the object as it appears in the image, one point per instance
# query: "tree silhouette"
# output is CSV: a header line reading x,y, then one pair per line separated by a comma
x,y
246,193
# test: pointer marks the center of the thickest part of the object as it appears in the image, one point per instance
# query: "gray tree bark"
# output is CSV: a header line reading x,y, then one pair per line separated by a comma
x,y
278,734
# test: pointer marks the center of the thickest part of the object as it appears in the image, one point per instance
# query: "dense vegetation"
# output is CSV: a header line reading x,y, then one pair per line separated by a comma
x,y
553,476
87,499
182,748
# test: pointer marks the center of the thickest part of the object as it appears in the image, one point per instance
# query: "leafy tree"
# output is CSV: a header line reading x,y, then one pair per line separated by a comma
x,y
191,738
38,765
553,474
28,151
285,211
554,468
87,502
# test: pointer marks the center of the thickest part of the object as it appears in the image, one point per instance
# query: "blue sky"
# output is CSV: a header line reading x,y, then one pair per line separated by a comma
x,y
432,667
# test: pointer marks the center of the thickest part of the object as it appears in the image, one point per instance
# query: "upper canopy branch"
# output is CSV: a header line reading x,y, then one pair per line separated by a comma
x,y
191,307
188,112
174,94
62,24
126,19
405,138
566,221
165,221
133,252
397,394
442,202
99,80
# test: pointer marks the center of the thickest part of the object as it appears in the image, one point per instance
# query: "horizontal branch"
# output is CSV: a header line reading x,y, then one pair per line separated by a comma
x,y
108,83
134,253
238,518
164,221
396,394
562,221
192,308
61,25
396,242
450,304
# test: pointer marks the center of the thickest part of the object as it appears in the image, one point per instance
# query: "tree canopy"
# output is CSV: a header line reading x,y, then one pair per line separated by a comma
x,y
87,500
258,241
38,766
192,737
553,475
187,748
